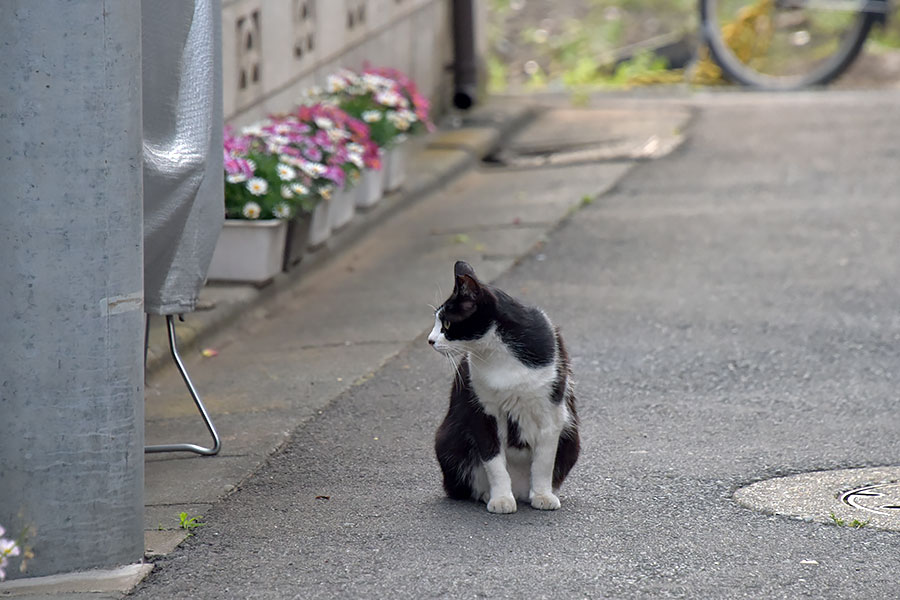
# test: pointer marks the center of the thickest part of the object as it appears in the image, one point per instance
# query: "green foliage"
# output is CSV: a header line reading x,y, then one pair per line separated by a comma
x,y
640,65
190,523
887,37
575,46
382,131
855,523
497,74
237,195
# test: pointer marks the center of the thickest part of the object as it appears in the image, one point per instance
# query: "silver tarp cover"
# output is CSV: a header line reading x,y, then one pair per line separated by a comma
x,y
183,171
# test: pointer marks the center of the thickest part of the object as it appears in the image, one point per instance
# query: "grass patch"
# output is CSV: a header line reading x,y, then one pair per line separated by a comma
x,y
854,524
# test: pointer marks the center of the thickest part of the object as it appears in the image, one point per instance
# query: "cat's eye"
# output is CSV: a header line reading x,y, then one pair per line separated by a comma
x,y
446,325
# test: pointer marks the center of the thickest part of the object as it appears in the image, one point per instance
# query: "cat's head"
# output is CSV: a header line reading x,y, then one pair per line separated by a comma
x,y
466,316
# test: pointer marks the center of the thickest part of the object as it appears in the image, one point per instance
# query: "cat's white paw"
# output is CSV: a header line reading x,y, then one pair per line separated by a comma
x,y
502,505
546,501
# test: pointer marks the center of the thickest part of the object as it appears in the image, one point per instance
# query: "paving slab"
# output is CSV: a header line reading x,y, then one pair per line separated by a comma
x,y
100,583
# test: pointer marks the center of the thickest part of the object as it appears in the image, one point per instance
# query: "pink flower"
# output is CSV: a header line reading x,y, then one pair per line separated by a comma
x,y
335,174
312,152
235,165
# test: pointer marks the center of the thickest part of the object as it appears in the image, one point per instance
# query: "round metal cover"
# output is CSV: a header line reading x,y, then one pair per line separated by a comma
x,y
881,498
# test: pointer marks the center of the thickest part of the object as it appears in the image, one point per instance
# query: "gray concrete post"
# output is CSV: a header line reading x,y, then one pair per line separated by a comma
x,y
71,324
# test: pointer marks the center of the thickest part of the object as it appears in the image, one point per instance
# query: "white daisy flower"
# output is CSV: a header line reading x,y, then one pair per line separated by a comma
x,y
388,98
375,82
336,135
286,192
323,123
252,164
291,160
282,211
299,189
356,159
274,148
251,210
325,192
354,147
258,186
254,130
285,172
335,84
236,178
371,116
314,169
398,120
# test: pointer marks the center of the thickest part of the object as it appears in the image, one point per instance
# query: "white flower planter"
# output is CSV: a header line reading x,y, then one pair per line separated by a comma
x,y
370,188
320,226
297,240
395,166
341,208
249,251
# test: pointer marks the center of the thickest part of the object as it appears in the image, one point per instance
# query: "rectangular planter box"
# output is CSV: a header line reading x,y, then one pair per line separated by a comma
x,y
249,251
298,230
320,225
370,188
395,165
341,208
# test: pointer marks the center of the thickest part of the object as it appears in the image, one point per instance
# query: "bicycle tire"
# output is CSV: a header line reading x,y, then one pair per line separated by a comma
x,y
739,72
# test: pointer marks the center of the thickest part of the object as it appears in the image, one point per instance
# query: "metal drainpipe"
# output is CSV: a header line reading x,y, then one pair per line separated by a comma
x,y
465,70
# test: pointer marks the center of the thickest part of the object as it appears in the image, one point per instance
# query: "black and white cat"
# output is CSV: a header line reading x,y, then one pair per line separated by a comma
x,y
511,432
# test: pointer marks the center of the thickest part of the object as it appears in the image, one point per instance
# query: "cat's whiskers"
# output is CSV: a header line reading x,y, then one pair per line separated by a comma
x,y
455,364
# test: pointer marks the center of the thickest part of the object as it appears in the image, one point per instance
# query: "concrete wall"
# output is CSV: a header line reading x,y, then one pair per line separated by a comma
x,y
71,280
273,50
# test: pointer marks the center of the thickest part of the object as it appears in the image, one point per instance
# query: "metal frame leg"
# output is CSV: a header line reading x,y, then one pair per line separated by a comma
x,y
217,445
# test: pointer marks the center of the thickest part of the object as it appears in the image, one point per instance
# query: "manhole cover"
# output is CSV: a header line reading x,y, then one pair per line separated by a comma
x,y
870,496
881,498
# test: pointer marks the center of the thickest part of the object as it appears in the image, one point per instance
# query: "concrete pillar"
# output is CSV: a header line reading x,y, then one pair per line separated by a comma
x,y
71,324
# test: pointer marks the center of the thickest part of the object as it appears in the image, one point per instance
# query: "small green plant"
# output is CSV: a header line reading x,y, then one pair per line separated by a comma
x,y
190,523
855,523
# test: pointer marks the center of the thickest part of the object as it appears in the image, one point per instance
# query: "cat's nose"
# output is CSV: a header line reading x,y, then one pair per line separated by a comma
x,y
431,341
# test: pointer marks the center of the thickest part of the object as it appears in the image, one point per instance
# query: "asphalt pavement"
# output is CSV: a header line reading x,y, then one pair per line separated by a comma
x,y
733,315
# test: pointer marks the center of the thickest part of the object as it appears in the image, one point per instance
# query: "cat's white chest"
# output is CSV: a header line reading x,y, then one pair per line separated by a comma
x,y
506,386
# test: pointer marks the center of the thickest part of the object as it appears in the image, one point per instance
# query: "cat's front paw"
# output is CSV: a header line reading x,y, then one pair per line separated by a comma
x,y
545,501
502,505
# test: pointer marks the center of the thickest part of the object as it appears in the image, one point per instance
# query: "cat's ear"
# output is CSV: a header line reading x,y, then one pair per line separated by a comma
x,y
463,268
467,284
467,287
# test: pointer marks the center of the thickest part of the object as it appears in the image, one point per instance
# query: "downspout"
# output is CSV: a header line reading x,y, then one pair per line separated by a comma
x,y
465,70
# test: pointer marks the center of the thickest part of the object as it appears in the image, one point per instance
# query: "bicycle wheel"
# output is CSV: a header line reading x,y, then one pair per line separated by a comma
x,y
785,44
